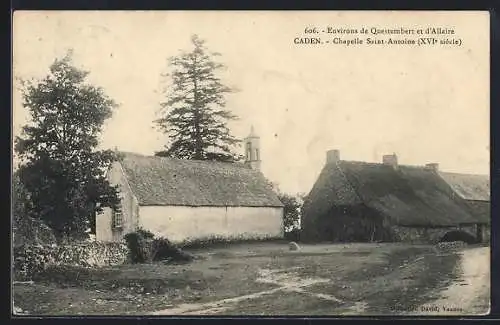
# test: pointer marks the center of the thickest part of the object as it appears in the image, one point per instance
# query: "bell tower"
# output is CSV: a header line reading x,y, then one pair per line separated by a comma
x,y
252,150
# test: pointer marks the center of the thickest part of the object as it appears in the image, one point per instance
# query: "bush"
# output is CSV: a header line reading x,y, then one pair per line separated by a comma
x,y
145,248
292,207
138,252
30,231
164,250
32,259
221,241
146,234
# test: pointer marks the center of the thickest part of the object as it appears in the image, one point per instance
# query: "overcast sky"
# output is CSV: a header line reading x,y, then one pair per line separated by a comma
x,y
426,104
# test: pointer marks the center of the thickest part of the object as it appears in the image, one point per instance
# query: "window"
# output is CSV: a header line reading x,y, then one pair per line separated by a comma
x,y
249,151
117,218
257,154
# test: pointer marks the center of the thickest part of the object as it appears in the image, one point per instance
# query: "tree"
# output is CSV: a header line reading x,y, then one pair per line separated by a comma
x,y
62,172
292,205
24,228
194,114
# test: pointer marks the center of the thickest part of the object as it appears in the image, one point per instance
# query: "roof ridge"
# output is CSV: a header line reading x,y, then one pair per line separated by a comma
x,y
464,174
173,159
360,162
373,163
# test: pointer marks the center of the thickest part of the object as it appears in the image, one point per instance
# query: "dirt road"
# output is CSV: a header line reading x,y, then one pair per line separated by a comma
x,y
268,279
470,293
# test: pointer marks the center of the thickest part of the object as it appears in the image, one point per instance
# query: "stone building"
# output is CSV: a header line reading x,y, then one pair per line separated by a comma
x,y
387,201
475,189
185,200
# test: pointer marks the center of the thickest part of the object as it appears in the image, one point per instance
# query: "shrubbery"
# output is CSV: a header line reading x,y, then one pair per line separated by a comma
x,y
136,243
292,207
217,240
30,231
145,248
164,250
32,259
25,228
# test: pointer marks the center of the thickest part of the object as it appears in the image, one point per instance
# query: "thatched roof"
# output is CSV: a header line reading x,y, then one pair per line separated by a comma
x,y
468,186
408,196
169,181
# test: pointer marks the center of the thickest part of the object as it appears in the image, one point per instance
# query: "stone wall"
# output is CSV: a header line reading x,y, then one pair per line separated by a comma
x,y
431,235
30,259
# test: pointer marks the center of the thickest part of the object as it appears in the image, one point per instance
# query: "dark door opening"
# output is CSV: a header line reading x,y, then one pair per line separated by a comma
x,y
459,236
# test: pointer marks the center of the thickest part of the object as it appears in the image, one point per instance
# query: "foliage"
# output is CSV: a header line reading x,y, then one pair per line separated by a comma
x,y
292,205
194,113
136,243
26,230
144,233
221,241
164,250
145,248
62,171
20,201
30,260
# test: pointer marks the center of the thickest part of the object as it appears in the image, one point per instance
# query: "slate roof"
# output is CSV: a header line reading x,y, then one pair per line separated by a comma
x,y
408,195
169,181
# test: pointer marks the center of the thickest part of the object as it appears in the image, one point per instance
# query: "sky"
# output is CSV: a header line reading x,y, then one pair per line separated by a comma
x,y
426,104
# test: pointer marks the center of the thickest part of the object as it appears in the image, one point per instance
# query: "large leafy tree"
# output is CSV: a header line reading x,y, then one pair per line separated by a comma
x,y
194,114
62,172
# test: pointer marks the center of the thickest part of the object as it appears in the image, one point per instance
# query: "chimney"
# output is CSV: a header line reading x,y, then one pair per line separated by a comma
x,y
391,160
332,156
432,166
